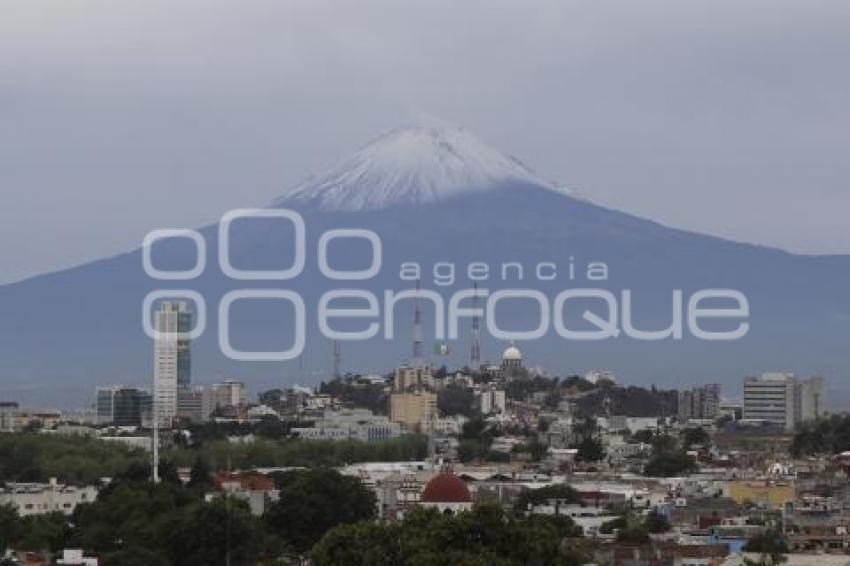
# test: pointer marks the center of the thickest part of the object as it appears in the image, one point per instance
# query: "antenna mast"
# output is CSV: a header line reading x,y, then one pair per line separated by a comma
x,y
475,355
417,330
337,358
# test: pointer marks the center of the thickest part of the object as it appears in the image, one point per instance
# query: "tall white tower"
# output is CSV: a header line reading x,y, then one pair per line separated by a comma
x,y
172,357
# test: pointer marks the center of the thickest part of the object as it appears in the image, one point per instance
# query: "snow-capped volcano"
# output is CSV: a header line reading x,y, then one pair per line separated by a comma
x,y
413,165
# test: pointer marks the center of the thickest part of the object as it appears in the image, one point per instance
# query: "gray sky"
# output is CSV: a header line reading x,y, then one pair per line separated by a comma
x,y
726,117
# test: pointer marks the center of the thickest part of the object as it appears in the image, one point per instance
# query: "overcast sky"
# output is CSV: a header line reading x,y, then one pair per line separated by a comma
x,y
726,117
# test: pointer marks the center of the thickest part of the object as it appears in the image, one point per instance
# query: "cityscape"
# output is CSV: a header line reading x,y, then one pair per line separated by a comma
x,y
605,472
424,283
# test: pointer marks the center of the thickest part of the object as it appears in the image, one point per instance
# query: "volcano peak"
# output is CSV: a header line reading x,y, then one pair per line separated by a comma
x,y
423,163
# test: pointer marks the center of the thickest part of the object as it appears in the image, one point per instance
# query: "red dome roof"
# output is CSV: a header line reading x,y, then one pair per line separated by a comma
x,y
446,487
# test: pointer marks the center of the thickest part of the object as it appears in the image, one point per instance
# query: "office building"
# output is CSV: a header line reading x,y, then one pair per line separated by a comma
x,y
123,406
194,404
413,403
699,403
228,394
172,356
350,424
414,410
408,378
781,399
491,401
809,399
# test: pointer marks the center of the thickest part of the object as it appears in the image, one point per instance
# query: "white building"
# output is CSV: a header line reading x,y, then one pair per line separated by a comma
x,y
39,498
172,356
75,557
228,394
782,399
491,401
350,424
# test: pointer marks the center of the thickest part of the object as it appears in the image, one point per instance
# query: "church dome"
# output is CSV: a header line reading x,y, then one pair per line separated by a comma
x,y
511,353
446,487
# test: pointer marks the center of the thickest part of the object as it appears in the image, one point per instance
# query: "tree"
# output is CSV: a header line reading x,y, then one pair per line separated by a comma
x,y
200,476
668,459
644,436
11,527
770,545
168,473
356,544
48,531
483,536
590,450
543,495
669,464
456,400
214,533
134,557
313,502
696,436
655,522
130,514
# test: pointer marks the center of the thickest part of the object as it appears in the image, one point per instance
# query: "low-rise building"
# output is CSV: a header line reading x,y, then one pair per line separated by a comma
x,y
255,489
39,498
350,424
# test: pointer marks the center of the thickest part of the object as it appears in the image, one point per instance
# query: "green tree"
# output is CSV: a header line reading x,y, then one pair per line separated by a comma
x,y
134,557
313,502
590,450
32,457
49,531
456,400
770,545
483,536
200,476
655,522
11,527
644,436
129,514
696,437
669,464
543,495
220,532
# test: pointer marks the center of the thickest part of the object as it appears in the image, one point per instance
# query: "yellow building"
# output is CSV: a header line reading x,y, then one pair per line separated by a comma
x,y
771,493
415,410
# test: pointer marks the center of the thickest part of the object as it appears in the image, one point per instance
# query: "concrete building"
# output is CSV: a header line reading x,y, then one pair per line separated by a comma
x,y
194,404
123,406
491,401
409,378
782,399
8,415
413,403
770,399
172,356
699,403
229,393
75,557
255,489
808,399
414,410
39,498
15,419
350,424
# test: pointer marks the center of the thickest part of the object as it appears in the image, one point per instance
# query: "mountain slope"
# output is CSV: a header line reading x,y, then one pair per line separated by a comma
x,y
456,202
415,165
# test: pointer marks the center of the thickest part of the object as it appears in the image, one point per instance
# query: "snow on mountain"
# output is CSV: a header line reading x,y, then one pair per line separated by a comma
x,y
413,165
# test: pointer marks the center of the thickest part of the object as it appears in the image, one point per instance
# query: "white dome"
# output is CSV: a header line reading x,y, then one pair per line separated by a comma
x,y
512,353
